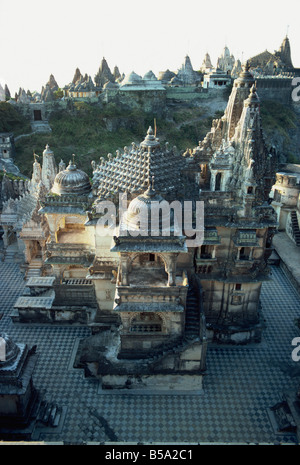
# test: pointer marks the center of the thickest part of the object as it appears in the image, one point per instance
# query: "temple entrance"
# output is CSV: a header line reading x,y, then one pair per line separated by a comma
x,y
39,252
37,115
218,182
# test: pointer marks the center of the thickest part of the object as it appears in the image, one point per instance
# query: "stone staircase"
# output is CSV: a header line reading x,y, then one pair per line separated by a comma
x,y
9,256
192,318
10,253
168,349
34,269
41,126
191,334
295,228
49,414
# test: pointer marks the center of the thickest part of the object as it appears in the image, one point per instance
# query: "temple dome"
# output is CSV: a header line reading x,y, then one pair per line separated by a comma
x,y
132,79
143,205
150,76
166,75
71,181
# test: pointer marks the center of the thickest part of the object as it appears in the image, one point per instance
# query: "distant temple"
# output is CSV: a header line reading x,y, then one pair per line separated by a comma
x,y
279,62
226,61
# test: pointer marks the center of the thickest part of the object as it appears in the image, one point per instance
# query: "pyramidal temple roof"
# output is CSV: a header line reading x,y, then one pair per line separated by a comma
x,y
131,171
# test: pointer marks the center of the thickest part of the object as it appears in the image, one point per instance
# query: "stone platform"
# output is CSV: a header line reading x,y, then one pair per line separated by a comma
x,y
240,386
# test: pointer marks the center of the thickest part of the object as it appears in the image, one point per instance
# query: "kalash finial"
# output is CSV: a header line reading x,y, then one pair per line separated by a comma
x,y
150,140
47,150
253,97
72,166
247,65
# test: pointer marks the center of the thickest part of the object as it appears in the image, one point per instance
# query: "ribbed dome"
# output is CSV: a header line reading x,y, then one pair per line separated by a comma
x,y
166,75
71,181
132,78
141,212
150,76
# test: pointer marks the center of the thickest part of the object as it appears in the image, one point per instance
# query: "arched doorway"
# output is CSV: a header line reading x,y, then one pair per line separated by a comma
x,y
218,182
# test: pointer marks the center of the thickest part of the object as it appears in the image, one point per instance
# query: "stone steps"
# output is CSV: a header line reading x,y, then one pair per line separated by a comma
x,y
34,268
170,349
295,228
49,414
192,321
10,256
33,273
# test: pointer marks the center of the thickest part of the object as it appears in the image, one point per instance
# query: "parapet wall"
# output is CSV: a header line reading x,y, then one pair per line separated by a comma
x,y
279,89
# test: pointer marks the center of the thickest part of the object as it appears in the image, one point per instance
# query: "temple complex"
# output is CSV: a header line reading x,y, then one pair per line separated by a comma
x,y
206,66
20,218
216,79
226,61
186,74
83,87
154,296
134,82
279,62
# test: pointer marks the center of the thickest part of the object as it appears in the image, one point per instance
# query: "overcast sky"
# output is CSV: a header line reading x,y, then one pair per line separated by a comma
x,y
39,37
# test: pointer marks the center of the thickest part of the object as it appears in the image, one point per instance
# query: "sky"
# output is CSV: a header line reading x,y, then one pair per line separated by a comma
x,y
39,38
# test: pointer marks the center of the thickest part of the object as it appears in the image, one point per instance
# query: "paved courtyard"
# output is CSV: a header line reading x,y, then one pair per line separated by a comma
x,y
241,383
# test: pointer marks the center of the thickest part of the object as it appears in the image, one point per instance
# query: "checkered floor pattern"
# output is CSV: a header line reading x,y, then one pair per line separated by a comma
x,y
240,385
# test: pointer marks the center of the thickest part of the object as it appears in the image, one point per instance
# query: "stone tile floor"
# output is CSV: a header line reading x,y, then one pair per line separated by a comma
x,y
241,383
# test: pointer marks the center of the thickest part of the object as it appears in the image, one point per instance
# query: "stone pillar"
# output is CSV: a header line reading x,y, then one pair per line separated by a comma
x,y
27,252
5,236
21,246
213,181
43,247
213,253
124,271
172,271
57,272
